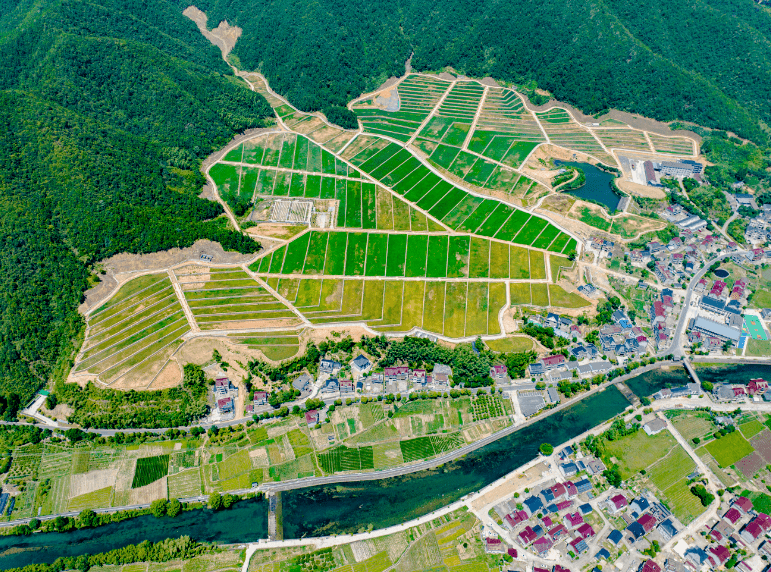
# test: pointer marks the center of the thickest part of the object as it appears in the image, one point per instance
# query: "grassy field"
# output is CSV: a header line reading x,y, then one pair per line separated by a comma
x,y
563,299
639,451
693,424
751,428
729,449
510,344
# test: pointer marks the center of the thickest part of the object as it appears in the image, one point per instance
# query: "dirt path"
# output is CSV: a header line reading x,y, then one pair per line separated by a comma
x,y
476,119
431,115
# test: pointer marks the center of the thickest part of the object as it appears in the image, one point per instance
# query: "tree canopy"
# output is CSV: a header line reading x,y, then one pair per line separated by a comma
x,y
623,54
107,110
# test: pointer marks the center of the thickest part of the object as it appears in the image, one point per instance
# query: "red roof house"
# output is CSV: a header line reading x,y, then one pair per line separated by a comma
x,y
553,361
585,530
743,504
732,515
757,386
721,554
650,566
647,521
617,503
527,535
558,531
573,520
542,545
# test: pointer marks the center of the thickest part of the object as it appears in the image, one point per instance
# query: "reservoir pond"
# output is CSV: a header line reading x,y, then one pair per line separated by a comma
x,y
597,186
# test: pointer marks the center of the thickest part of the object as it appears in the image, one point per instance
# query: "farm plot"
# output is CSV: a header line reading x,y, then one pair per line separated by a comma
x,y
448,203
484,174
623,138
692,425
454,117
346,459
234,182
149,470
729,449
274,345
228,297
674,145
135,328
399,306
503,114
564,131
398,254
418,95
422,448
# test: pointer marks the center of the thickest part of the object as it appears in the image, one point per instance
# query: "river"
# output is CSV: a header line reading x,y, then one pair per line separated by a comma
x,y
648,383
597,186
351,507
317,511
246,521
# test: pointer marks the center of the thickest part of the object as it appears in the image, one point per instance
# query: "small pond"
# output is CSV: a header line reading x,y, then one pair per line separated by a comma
x,y
597,187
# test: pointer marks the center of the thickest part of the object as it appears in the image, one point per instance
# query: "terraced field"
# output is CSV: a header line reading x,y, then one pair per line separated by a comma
x,y
456,208
229,297
674,145
456,308
338,253
566,132
426,231
418,95
141,325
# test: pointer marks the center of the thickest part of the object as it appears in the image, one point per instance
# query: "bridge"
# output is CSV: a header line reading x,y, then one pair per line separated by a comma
x,y
691,371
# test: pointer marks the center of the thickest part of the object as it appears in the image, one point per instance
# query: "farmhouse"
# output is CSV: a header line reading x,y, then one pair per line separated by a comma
x,y
654,427
361,365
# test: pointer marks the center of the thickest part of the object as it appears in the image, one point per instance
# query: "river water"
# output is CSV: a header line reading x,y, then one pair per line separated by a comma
x,y
649,383
246,521
351,507
317,511
597,186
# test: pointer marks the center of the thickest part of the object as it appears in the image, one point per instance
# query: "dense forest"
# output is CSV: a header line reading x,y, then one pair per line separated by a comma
x,y
706,61
107,109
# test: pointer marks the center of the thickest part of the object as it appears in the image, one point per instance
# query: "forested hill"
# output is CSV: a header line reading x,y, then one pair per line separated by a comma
x,y
106,111
705,61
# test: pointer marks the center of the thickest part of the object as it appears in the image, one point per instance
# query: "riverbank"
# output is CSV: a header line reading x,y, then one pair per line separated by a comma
x,y
328,511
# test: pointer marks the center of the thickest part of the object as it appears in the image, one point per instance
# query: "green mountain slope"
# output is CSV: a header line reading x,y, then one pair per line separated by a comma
x,y
106,111
706,61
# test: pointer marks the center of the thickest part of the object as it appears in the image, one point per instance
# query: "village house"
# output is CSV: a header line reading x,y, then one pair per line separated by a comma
x,y
361,365
499,373
312,418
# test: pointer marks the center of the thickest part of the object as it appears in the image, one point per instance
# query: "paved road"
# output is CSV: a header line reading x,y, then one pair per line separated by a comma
x,y
676,348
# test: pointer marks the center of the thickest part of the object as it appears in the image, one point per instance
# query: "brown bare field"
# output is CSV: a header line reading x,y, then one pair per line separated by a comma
x,y
640,190
559,203
149,493
512,484
276,230
170,376
140,377
92,481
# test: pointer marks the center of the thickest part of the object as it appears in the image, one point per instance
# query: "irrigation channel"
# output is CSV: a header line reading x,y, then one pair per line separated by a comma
x,y
597,186
350,507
